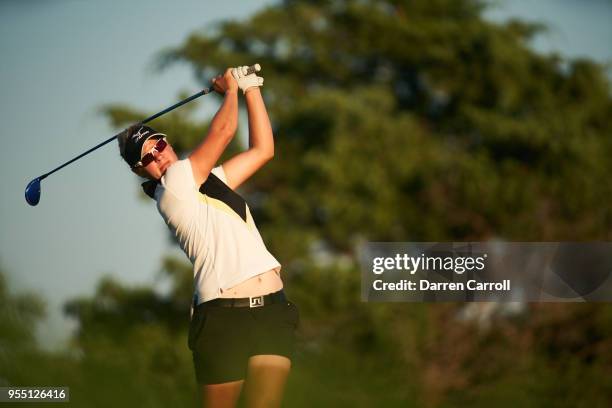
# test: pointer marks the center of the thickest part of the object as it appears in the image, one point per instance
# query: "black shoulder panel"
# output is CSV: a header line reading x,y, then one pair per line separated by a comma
x,y
215,188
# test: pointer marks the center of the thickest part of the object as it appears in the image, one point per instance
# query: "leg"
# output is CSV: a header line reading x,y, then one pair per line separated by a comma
x,y
221,395
266,378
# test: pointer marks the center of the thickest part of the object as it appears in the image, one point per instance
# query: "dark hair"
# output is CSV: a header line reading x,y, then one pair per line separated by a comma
x,y
122,139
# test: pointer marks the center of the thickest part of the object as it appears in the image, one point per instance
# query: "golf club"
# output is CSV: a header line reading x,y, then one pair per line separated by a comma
x,y
32,191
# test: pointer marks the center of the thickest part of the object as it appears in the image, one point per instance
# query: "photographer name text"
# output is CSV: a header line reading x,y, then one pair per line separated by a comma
x,y
426,285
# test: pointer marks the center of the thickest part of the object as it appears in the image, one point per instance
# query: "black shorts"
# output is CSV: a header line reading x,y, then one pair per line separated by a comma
x,y
223,338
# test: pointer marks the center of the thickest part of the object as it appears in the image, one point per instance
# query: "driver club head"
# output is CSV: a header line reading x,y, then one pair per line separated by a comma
x,y
32,192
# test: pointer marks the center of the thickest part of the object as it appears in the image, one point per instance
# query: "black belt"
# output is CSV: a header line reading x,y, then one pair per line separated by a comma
x,y
253,301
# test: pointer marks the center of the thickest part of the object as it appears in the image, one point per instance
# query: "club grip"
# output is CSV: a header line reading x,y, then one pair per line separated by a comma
x,y
250,70
253,69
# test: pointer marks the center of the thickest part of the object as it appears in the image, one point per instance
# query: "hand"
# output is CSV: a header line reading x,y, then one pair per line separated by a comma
x,y
225,82
246,81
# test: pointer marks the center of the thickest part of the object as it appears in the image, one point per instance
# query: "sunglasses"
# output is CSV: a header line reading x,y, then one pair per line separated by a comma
x,y
149,158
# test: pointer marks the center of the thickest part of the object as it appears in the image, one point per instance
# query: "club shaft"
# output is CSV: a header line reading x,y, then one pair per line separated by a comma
x,y
176,105
251,69
150,118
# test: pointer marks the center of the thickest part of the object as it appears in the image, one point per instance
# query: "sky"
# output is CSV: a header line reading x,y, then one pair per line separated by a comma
x,y
577,28
62,60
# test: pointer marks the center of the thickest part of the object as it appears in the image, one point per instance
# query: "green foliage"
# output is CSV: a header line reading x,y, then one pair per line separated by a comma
x,y
18,314
394,121
120,310
418,121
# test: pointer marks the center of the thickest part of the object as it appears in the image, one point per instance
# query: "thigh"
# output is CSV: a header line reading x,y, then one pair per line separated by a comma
x,y
219,341
221,395
266,379
275,329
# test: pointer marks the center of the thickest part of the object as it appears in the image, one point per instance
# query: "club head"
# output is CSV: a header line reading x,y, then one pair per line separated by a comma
x,y
32,192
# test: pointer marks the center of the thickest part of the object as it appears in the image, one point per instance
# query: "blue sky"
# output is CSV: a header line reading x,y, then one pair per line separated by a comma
x,y
62,60
577,28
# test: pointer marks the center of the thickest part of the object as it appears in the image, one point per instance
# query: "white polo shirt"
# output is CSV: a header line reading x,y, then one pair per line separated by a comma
x,y
214,227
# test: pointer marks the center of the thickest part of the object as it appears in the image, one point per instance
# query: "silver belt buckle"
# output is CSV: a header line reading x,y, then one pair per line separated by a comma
x,y
256,301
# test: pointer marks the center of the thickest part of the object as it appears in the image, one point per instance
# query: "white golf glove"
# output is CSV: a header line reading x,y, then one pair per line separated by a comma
x,y
245,80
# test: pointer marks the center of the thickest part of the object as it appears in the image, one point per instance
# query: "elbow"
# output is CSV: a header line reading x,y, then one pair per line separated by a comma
x,y
264,153
268,155
228,134
263,156
227,130
224,133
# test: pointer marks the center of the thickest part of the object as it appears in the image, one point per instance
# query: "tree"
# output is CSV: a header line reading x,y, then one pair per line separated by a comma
x,y
419,117
411,121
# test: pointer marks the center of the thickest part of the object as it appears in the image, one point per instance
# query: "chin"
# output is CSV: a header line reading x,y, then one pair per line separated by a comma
x,y
162,173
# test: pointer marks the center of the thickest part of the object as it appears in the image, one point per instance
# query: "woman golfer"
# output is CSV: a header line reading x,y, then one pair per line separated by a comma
x,y
242,327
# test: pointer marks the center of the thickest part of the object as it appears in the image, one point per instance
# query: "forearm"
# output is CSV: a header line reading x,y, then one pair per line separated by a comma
x,y
261,138
225,121
220,133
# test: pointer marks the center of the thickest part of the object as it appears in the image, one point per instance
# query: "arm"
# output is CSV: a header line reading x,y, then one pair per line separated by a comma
x,y
222,129
261,142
